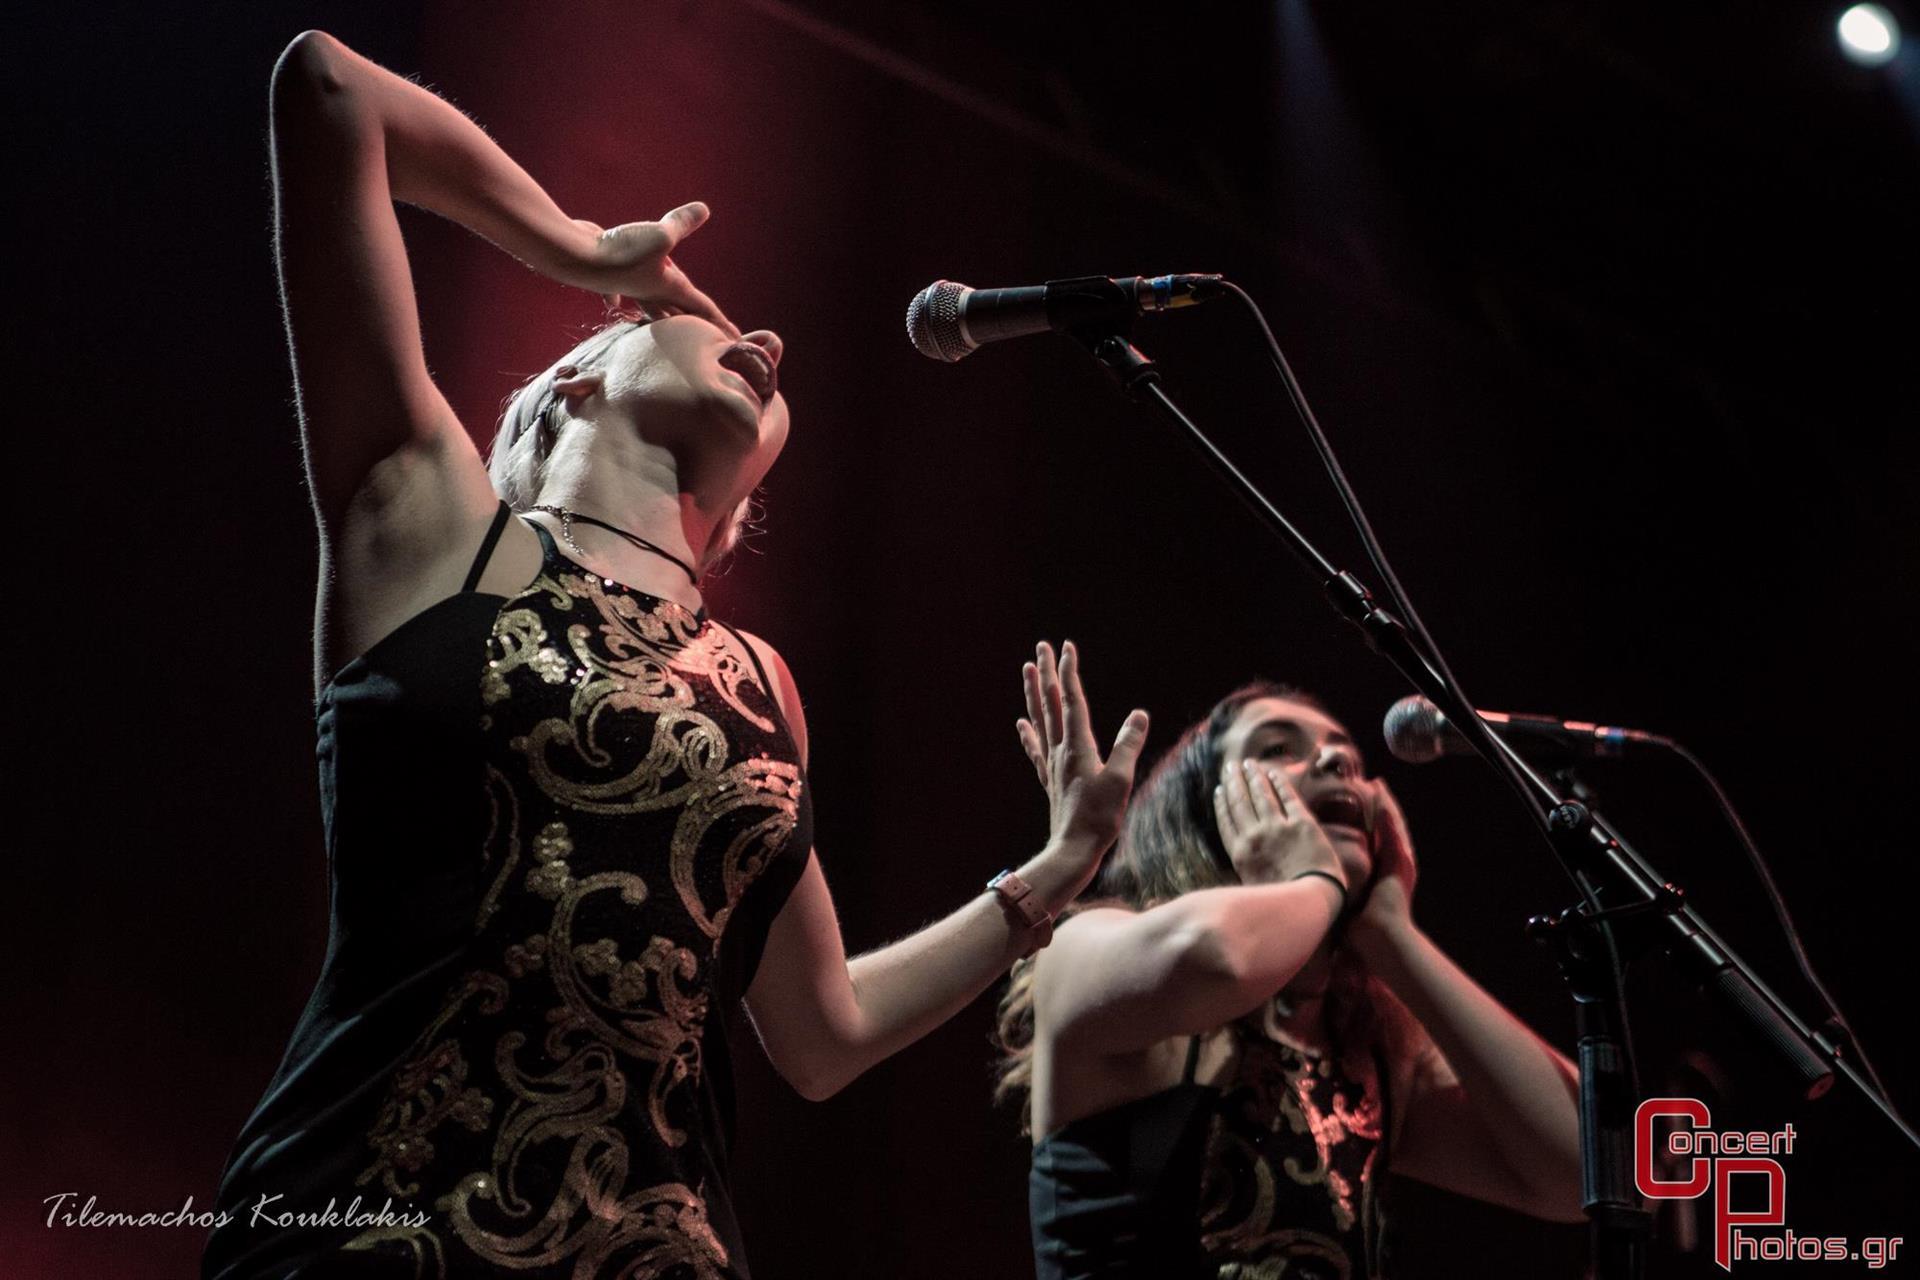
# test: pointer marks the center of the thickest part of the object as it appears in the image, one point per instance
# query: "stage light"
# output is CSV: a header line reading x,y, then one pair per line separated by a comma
x,y
1869,35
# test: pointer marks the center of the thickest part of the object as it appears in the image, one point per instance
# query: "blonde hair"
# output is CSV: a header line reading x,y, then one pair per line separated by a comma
x,y
530,423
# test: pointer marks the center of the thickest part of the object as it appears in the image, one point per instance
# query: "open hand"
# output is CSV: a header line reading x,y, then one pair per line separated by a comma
x,y
1087,797
634,262
1388,900
1269,832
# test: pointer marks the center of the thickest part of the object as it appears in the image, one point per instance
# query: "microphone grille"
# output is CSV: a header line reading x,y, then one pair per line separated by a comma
x,y
1413,730
933,321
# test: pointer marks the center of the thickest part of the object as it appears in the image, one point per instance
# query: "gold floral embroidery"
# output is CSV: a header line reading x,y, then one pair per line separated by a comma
x,y
1331,1127
770,787
1253,1228
621,715
523,958
430,1089
639,639
553,842
550,876
503,818
420,1243
1285,1251
652,1009
521,639
651,1231
550,665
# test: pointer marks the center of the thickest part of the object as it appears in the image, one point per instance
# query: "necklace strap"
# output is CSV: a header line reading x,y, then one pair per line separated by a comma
x,y
567,519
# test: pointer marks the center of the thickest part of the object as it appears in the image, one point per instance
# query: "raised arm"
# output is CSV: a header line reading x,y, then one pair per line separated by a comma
x,y
1120,981
825,1019
1492,1110
349,139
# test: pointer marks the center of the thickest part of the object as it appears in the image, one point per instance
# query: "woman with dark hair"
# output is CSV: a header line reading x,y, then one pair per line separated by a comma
x,y
566,811
1240,1029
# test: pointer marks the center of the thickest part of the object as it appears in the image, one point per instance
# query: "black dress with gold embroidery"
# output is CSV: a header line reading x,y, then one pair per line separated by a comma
x,y
559,827
1272,1175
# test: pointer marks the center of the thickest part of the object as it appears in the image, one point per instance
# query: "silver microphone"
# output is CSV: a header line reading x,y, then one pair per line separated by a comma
x,y
946,320
1417,731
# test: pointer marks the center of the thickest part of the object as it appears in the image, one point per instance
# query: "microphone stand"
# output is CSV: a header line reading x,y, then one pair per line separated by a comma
x,y
1625,901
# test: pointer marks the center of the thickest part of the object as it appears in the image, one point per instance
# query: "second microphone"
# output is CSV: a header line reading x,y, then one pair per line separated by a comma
x,y
946,320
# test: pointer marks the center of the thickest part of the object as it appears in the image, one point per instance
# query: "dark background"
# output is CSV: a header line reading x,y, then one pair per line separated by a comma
x,y
1607,309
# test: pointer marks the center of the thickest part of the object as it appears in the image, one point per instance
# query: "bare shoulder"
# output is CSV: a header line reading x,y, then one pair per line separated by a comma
x,y
1090,925
1080,935
1078,1075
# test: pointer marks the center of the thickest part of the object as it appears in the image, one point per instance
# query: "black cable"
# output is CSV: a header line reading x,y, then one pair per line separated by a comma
x,y
1423,639
1402,603
1605,930
1428,652
1780,912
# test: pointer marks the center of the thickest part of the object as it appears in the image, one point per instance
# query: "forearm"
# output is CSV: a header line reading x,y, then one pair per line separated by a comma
x,y
905,989
1219,952
435,157
1520,1088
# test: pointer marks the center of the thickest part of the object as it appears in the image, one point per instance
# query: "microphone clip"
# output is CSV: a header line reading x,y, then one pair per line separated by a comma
x,y
1127,364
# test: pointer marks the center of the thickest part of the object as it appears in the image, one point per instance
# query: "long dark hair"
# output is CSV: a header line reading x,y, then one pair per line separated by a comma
x,y
1171,846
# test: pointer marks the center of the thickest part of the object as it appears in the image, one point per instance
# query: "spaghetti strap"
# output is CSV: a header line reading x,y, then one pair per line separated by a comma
x,y
486,548
773,695
1193,1061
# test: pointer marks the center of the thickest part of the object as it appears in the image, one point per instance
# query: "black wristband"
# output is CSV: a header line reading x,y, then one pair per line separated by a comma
x,y
1333,880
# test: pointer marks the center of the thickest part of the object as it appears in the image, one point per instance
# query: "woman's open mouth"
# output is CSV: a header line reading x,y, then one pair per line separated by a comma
x,y
752,364
1341,812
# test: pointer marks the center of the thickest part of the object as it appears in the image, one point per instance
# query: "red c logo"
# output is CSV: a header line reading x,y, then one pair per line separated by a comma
x,y
1656,1188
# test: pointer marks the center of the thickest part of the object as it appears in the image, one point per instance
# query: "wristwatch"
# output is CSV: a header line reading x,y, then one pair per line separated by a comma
x,y
1016,896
